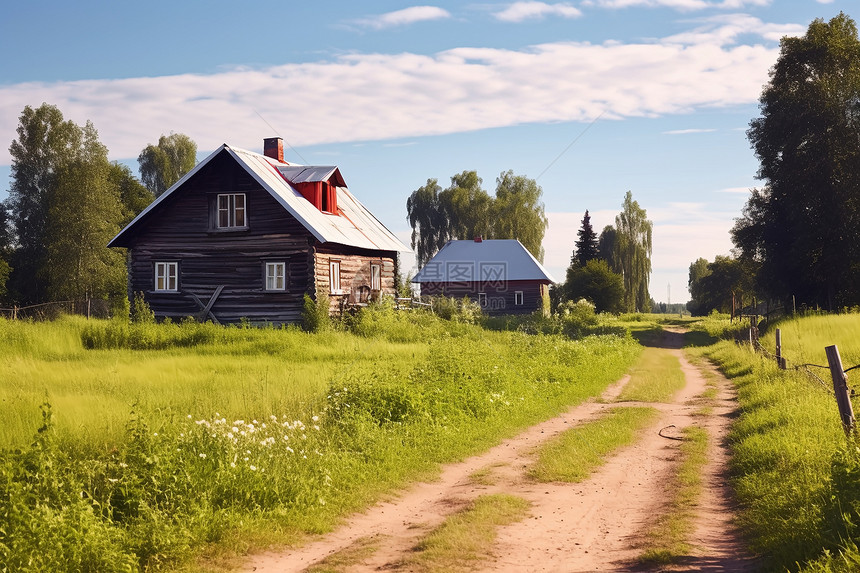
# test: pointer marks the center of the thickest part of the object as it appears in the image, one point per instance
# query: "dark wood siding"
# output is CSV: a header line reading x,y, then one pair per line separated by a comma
x,y
181,229
501,295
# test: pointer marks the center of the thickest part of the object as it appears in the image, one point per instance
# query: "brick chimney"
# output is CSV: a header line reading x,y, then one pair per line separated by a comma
x,y
274,147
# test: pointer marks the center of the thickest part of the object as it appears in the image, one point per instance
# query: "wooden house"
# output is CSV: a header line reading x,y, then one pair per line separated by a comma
x,y
499,274
246,236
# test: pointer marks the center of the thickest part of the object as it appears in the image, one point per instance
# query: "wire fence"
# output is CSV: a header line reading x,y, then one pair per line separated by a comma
x,y
95,308
839,389
785,363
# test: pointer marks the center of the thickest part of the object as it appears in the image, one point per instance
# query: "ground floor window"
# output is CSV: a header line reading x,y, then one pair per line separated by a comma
x,y
276,276
482,298
375,277
518,297
334,277
166,276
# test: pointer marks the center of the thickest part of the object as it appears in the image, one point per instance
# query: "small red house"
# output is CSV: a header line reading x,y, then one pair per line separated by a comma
x,y
246,236
499,274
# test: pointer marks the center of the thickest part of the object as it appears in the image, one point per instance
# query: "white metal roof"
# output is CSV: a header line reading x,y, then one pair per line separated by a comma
x,y
305,173
487,260
354,225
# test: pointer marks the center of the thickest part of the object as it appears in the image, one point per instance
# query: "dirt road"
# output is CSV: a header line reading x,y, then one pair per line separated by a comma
x,y
596,525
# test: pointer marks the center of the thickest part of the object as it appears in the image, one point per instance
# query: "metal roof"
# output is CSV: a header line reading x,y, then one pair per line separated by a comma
x,y
354,225
310,173
486,260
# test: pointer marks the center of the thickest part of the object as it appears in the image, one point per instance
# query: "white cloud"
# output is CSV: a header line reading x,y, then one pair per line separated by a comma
x,y
519,11
687,131
726,29
404,17
681,5
361,97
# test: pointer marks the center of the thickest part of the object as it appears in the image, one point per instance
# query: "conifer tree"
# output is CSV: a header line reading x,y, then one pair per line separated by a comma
x,y
586,245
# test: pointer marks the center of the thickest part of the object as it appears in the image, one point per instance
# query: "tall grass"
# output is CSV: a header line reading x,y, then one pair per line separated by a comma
x,y
160,440
794,474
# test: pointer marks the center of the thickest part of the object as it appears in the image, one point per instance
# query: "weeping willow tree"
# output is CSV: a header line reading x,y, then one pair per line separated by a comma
x,y
632,251
465,210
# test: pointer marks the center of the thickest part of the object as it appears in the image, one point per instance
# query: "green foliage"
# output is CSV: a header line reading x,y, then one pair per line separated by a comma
x,y
316,316
633,253
597,283
83,215
133,195
5,269
65,203
585,248
802,225
607,250
44,144
457,309
164,164
140,311
518,212
464,211
714,286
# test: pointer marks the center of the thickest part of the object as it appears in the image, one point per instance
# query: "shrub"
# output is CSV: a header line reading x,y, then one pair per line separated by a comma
x,y
140,311
459,310
315,314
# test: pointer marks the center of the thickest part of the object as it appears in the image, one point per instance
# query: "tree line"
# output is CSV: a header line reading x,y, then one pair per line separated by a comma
x,y
67,200
797,241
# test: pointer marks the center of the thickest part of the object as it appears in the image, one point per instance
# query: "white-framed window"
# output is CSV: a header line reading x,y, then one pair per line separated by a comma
x,y
334,277
167,277
231,211
375,277
482,299
518,297
276,276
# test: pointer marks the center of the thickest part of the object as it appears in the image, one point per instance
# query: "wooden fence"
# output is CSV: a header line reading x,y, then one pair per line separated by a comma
x,y
838,375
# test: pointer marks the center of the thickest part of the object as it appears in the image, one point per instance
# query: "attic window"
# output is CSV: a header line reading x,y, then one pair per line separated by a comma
x,y
231,211
325,197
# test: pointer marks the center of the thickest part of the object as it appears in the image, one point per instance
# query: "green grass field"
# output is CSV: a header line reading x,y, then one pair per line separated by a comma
x,y
796,476
165,443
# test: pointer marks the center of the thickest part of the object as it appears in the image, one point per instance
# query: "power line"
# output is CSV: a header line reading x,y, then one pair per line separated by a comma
x,y
575,139
275,131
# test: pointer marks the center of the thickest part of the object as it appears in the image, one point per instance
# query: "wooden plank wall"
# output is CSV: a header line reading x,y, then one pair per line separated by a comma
x,y
354,271
180,231
500,294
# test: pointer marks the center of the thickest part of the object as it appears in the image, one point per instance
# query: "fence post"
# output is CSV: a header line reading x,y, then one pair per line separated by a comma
x,y
780,361
840,388
15,312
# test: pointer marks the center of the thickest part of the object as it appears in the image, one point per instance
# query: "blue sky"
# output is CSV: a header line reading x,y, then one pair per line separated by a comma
x,y
591,97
